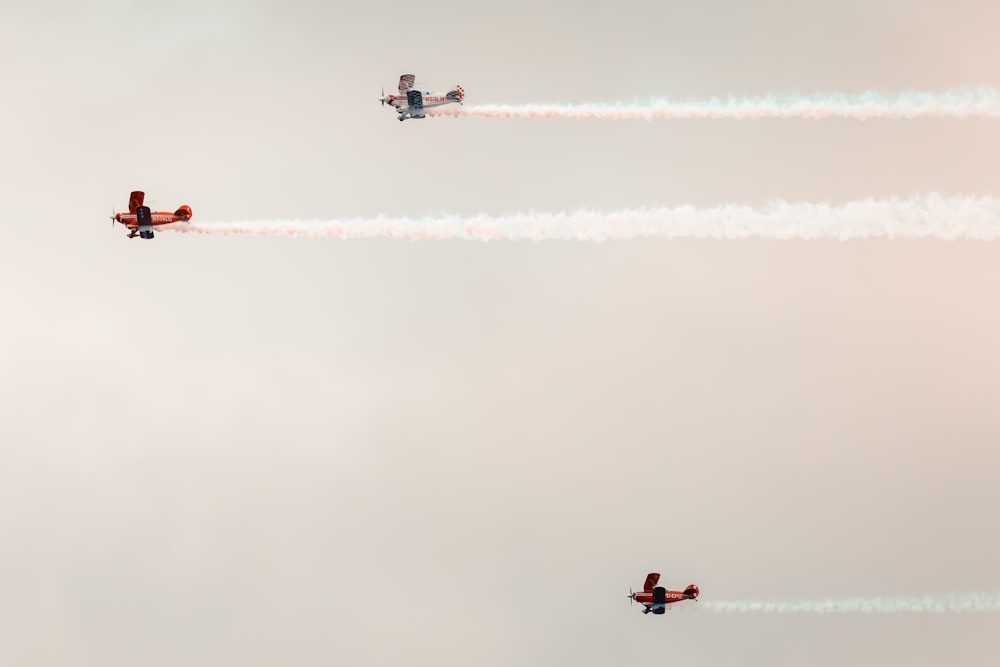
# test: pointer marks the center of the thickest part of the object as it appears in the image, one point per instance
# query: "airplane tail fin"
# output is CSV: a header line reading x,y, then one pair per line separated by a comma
x,y
691,591
183,212
457,95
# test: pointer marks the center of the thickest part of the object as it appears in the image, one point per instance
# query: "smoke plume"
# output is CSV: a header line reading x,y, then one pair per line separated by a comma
x,y
928,217
969,102
931,604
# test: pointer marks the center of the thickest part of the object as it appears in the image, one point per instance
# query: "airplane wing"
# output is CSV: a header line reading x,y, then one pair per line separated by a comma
x,y
651,580
415,100
406,82
145,220
135,201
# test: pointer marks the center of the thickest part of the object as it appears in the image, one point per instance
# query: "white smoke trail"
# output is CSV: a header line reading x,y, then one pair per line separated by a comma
x,y
931,216
970,603
970,102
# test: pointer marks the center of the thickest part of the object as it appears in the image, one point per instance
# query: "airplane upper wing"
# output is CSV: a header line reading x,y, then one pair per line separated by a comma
x,y
406,82
651,580
135,201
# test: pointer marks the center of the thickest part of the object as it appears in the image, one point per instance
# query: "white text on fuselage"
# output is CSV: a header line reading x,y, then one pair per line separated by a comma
x,y
431,100
154,219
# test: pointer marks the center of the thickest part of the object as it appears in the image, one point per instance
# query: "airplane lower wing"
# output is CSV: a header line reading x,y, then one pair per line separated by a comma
x,y
415,102
145,220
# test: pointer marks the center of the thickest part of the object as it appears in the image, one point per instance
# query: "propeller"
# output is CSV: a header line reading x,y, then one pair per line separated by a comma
x,y
112,216
631,596
382,99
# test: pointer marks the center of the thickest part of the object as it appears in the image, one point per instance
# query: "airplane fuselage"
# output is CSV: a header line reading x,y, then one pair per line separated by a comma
x,y
430,100
131,220
647,597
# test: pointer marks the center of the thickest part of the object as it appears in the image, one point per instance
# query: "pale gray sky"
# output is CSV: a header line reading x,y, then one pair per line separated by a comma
x,y
252,451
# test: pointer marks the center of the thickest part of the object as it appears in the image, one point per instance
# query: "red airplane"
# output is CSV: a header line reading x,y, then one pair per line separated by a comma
x,y
140,220
656,598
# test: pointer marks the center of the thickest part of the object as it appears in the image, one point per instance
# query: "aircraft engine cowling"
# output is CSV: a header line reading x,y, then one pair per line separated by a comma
x,y
183,212
691,591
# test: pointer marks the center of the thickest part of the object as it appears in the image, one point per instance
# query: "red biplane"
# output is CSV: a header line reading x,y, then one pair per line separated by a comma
x,y
140,220
656,598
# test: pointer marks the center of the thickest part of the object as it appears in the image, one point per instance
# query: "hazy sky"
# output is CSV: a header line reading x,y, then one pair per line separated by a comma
x,y
260,451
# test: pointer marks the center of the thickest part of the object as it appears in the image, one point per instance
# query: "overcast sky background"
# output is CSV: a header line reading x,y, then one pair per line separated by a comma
x,y
259,451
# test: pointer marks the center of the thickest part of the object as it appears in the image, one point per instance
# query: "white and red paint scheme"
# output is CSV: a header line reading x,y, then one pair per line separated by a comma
x,y
412,103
